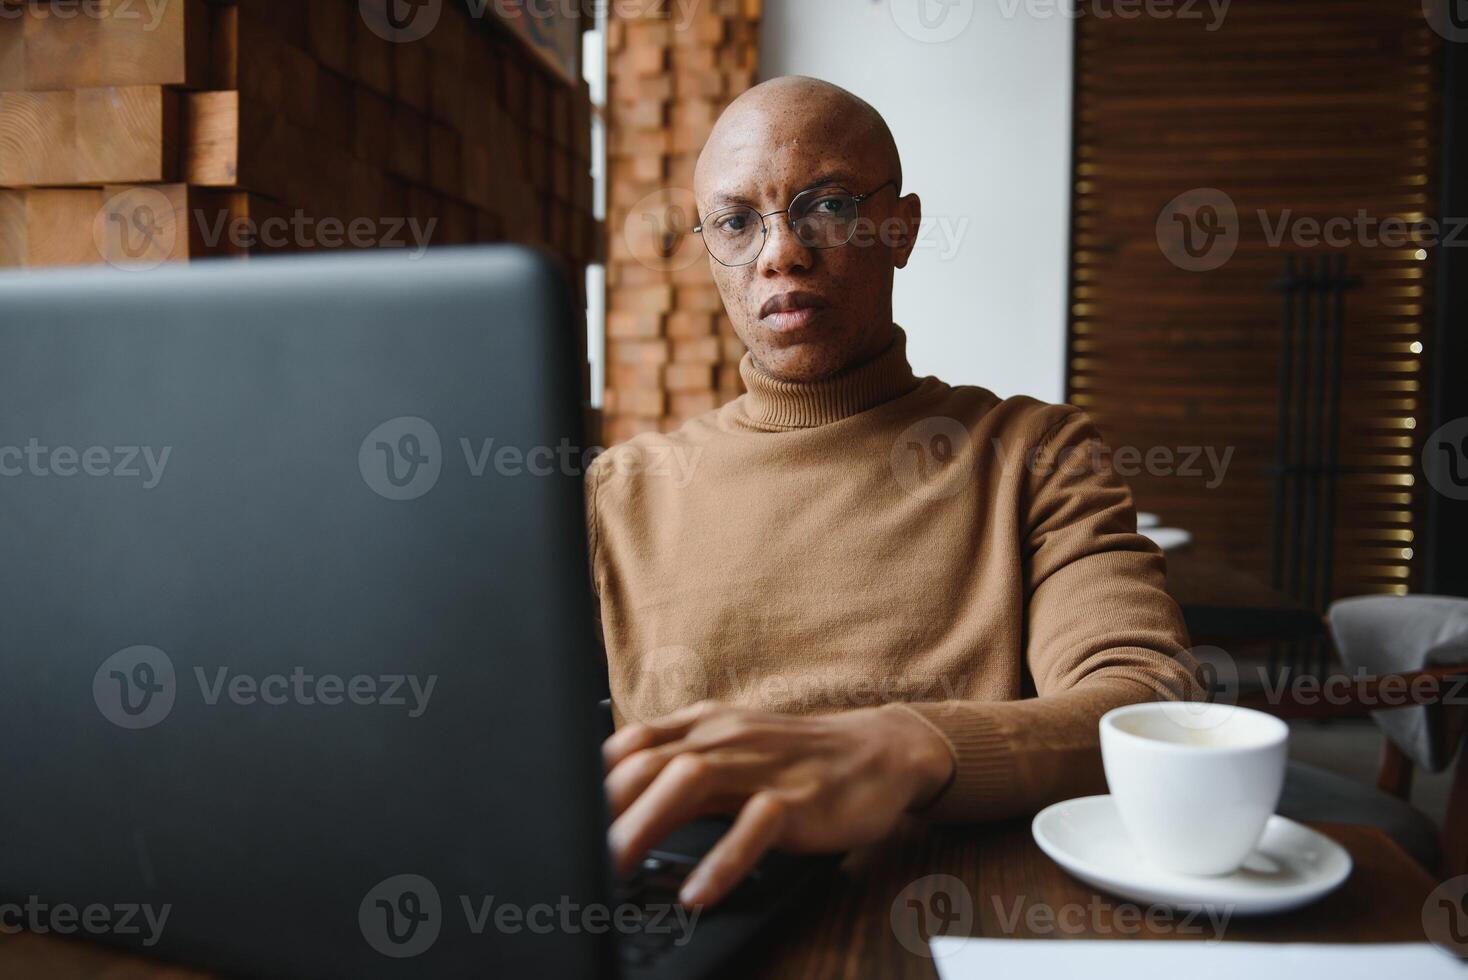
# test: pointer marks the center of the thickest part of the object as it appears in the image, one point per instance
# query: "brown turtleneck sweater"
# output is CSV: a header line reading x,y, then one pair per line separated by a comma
x,y
880,539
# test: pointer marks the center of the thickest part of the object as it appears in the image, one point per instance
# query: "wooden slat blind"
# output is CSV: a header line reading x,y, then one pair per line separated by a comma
x,y
1301,109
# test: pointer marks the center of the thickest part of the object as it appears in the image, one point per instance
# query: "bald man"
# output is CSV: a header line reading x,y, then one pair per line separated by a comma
x,y
865,594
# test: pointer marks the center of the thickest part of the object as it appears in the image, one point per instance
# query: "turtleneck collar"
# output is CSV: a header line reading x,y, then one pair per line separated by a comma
x,y
805,404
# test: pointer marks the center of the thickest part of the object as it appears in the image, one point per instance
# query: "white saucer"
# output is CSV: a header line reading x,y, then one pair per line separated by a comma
x,y
1292,865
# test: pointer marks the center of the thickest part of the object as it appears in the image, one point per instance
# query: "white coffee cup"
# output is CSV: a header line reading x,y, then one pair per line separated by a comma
x,y
1194,783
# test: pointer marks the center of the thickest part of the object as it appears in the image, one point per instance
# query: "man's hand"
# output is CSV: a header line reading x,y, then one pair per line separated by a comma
x,y
802,784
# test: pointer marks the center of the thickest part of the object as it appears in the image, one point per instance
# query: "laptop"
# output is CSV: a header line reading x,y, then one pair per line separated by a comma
x,y
295,629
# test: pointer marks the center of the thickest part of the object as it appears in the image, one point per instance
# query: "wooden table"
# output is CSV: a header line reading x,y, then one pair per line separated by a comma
x,y
849,930
854,934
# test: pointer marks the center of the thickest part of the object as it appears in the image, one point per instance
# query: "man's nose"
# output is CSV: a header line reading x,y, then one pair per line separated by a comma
x,y
784,252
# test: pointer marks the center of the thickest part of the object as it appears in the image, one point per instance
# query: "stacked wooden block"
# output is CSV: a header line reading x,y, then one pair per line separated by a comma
x,y
222,115
671,351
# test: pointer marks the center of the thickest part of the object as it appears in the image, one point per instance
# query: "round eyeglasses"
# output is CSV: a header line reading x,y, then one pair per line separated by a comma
x,y
821,217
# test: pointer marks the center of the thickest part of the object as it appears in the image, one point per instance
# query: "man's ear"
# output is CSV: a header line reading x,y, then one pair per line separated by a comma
x,y
909,219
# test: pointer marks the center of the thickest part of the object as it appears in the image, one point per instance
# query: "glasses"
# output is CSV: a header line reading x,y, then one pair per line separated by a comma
x,y
822,217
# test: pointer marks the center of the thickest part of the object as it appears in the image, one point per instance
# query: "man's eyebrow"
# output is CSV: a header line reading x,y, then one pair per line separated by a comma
x,y
727,198
836,177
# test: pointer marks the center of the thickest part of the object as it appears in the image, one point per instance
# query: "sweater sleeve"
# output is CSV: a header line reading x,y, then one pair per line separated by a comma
x,y
590,485
1101,631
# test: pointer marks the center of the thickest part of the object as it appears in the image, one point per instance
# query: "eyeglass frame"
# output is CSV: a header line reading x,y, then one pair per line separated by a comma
x,y
856,199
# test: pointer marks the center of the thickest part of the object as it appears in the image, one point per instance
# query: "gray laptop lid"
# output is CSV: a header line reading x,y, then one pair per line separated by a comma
x,y
294,627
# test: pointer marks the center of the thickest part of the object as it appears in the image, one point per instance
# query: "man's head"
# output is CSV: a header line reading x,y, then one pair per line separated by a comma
x,y
806,312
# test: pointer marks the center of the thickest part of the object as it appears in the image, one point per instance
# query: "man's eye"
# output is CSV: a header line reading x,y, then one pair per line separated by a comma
x,y
830,205
733,223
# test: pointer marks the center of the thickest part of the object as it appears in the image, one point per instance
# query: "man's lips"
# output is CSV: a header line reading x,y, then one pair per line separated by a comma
x,y
791,311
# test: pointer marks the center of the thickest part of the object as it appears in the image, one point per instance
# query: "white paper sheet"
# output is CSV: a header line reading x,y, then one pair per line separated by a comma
x,y
1124,959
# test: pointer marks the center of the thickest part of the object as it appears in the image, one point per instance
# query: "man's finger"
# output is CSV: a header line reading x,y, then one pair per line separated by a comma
x,y
755,831
632,775
679,793
644,735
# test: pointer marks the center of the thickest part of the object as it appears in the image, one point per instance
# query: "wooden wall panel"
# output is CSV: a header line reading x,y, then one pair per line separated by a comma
x,y
1300,109
231,112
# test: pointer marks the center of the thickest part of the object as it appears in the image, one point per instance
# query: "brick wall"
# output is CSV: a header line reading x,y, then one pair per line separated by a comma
x,y
671,351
